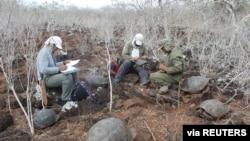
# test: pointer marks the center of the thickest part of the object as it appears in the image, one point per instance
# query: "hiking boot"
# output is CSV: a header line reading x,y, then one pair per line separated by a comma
x,y
152,94
69,105
145,83
163,90
62,102
117,81
173,86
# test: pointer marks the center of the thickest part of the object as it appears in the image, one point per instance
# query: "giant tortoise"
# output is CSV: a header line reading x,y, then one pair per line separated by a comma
x,y
110,129
96,81
212,109
45,118
194,84
6,120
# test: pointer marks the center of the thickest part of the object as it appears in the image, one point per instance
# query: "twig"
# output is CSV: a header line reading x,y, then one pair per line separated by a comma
x,y
179,91
110,83
235,94
232,81
8,92
245,107
167,97
11,87
150,130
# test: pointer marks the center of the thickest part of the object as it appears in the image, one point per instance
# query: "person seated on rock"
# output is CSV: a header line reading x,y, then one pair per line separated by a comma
x,y
50,71
132,51
171,71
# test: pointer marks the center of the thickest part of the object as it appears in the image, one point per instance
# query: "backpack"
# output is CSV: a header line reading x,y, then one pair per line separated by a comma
x,y
143,63
151,64
114,66
81,91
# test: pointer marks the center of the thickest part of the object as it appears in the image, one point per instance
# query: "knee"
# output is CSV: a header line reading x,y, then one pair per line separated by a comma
x,y
68,78
126,63
153,76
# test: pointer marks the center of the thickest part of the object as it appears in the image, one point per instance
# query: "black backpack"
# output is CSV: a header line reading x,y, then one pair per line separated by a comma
x,y
81,91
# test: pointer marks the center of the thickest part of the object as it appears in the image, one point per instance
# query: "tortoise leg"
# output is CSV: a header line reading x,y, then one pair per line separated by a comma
x,y
198,112
207,116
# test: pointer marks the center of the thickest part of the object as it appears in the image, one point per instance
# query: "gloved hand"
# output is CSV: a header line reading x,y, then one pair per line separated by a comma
x,y
62,68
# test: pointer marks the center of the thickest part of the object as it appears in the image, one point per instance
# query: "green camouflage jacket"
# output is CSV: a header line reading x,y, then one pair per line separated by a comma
x,y
175,63
127,50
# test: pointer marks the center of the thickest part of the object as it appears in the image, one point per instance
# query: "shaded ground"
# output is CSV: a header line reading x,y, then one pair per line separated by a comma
x,y
153,119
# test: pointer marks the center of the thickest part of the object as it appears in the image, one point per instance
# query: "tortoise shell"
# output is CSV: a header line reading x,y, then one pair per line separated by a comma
x,y
195,84
96,81
212,109
45,118
110,129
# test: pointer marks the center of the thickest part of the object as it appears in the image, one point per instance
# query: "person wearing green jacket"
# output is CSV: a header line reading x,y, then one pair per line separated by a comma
x,y
133,51
171,71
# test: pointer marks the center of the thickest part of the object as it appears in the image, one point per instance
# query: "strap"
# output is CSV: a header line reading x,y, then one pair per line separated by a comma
x,y
41,76
87,88
117,66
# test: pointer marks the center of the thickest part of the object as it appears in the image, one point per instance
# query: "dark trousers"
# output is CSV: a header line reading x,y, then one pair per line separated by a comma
x,y
130,67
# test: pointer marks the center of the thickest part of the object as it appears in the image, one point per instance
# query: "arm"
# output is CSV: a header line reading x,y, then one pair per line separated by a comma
x,y
177,66
46,64
126,52
46,68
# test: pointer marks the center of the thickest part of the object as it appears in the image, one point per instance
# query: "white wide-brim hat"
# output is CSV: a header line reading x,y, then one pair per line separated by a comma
x,y
54,40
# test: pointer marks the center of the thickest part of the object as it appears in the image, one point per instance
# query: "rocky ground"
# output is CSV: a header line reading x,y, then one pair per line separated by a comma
x,y
155,118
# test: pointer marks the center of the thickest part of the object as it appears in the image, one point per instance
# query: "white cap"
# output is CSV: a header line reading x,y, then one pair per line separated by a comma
x,y
138,39
55,40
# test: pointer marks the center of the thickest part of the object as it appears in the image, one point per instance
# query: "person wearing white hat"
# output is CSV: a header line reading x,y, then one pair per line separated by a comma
x,y
50,70
133,51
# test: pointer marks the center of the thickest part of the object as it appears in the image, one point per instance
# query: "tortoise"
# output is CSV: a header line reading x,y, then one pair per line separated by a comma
x,y
110,129
150,64
96,81
6,120
194,84
45,118
212,109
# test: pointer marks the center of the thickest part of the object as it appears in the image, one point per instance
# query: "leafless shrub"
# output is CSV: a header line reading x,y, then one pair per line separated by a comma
x,y
216,33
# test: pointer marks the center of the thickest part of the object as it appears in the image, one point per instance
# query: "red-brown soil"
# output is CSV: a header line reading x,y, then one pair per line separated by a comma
x,y
153,121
